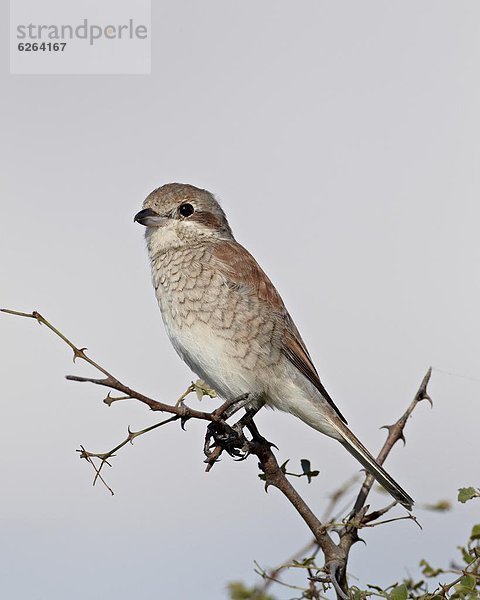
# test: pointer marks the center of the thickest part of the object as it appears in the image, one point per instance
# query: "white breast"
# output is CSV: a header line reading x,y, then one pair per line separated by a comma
x,y
206,353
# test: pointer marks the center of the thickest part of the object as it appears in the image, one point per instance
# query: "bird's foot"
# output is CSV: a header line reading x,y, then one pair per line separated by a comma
x,y
230,439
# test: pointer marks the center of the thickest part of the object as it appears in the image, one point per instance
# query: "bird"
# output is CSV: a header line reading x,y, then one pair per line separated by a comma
x,y
228,323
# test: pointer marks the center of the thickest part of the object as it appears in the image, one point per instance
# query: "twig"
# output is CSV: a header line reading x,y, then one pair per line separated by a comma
x,y
378,513
96,469
405,517
395,433
104,456
272,575
349,535
189,390
271,579
77,352
109,380
470,570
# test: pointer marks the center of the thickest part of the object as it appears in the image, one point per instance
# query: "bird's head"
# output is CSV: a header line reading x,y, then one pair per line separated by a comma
x,y
178,214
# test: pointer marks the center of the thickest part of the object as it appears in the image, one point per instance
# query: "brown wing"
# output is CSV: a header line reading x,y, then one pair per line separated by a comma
x,y
242,270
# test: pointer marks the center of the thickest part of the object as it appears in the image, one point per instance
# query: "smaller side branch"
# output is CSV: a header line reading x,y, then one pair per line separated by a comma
x,y
182,411
395,433
349,534
77,352
105,456
109,380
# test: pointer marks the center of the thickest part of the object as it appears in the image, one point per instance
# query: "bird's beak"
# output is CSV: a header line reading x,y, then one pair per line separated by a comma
x,y
149,218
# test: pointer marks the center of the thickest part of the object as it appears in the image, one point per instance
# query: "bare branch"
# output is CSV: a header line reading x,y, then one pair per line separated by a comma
x,y
349,535
272,575
358,517
95,468
105,456
405,517
109,380
77,352
395,433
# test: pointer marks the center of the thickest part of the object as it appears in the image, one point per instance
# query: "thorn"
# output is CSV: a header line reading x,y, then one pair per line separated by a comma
x,y
78,353
108,400
427,397
334,567
415,520
183,422
359,539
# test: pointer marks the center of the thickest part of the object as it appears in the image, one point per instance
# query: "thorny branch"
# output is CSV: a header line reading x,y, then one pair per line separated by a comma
x,y
223,437
395,433
358,517
105,456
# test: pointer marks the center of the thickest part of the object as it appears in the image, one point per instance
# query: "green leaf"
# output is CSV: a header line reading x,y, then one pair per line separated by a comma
x,y
399,592
376,588
305,465
358,594
312,474
306,468
466,494
428,570
239,591
468,582
467,556
202,389
414,586
475,535
440,506
306,562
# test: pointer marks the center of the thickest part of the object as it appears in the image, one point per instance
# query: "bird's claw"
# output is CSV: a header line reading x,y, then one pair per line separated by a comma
x,y
231,439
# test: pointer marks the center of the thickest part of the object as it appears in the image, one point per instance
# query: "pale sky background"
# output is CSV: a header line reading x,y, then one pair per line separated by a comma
x,y
342,139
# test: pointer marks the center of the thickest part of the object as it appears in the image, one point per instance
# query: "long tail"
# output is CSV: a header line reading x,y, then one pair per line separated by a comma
x,y
358,450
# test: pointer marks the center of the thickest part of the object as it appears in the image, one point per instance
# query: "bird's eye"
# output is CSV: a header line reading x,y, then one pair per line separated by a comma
x,y
186,210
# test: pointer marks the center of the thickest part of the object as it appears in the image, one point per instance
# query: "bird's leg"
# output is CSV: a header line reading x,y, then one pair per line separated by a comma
x,y
233,406
248,422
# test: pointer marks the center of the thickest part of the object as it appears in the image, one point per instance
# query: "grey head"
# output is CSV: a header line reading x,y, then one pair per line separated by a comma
x,y
179,214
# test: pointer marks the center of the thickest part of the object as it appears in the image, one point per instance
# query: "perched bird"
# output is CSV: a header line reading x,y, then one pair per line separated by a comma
x,y
227,321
